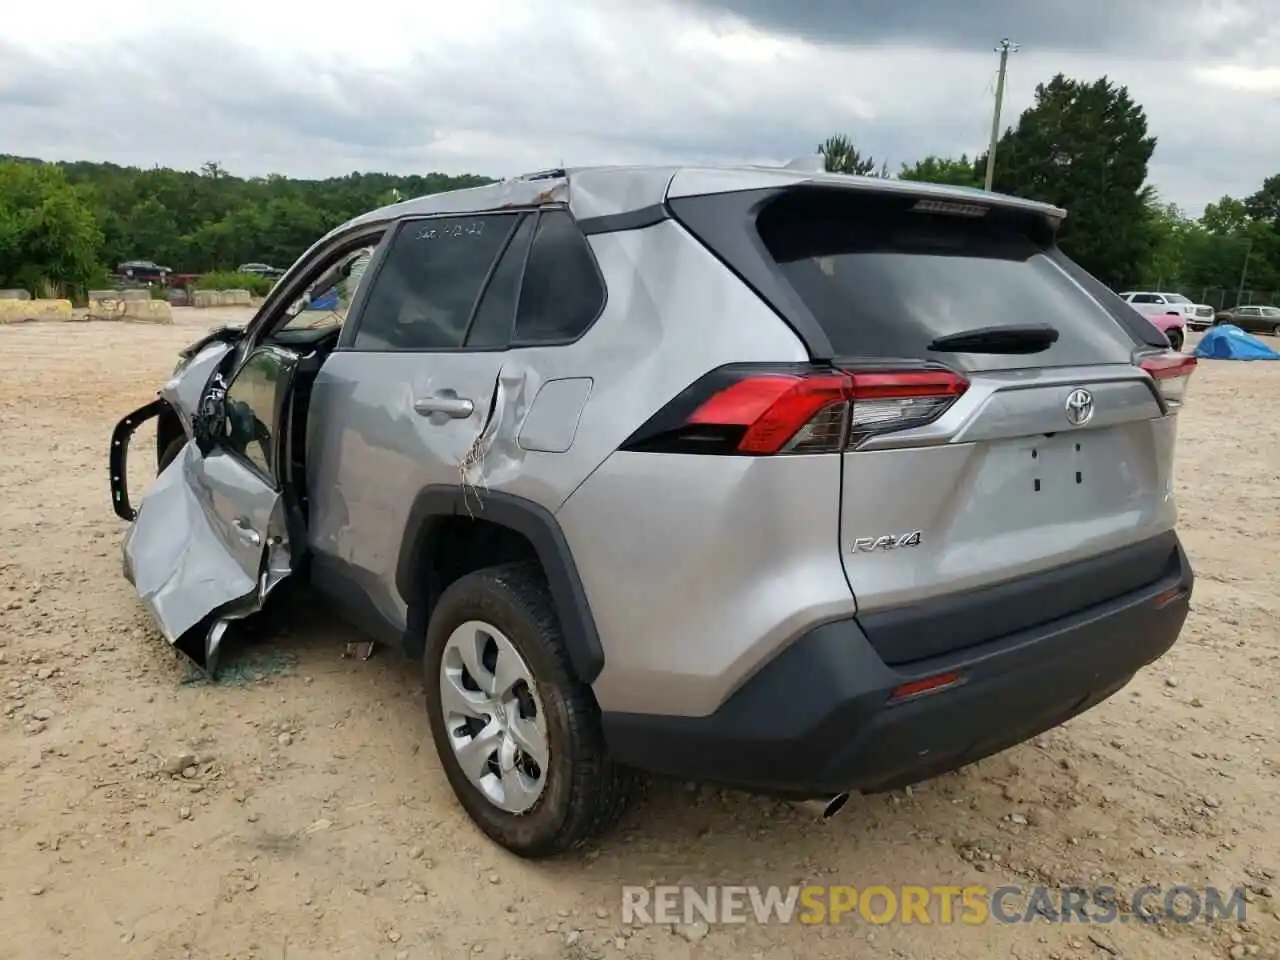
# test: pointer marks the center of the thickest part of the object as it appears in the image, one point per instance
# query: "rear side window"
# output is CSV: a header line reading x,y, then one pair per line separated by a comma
x,y
884,279
424,292
562,293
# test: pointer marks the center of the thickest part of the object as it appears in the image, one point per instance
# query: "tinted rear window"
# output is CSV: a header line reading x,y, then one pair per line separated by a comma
x,y
884,280
561,294
422,296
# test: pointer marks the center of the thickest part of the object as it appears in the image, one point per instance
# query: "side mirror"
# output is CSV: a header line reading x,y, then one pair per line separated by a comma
x,y
210,422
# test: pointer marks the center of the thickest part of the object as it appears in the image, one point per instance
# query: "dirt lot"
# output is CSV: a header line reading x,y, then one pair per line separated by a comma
x,y
312,819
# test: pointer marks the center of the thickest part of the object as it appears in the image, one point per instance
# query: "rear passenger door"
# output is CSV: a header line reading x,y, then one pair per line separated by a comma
x,y
434,381
409,346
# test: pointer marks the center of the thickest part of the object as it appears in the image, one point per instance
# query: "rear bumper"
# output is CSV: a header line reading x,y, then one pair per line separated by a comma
x,y
818,720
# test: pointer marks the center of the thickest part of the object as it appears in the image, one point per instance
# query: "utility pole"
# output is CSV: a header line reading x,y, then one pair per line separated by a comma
x,y
1004,48
1244,272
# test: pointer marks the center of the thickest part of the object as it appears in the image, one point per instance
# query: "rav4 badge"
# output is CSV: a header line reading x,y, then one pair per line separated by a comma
x,y
887,541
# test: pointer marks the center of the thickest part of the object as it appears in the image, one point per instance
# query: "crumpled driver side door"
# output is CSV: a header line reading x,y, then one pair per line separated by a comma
x,y
212,536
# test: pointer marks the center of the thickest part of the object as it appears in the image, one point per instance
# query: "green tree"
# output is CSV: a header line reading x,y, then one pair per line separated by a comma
x,y
1264,234
1085,147
1231,230
47,231
151,230
1172,232
957,173
1265,204
840,156
1226,217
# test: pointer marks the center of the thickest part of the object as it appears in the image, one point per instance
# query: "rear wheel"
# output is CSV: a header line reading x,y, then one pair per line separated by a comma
x,y
1276,331
1175,339
517,733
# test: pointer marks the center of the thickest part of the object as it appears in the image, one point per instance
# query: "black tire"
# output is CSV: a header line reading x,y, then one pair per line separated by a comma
x,y
171,453
585,791
1175,339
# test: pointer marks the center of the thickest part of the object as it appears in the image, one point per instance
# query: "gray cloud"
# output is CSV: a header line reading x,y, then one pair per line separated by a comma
x,y
1135,28
565,103
602,83
28,81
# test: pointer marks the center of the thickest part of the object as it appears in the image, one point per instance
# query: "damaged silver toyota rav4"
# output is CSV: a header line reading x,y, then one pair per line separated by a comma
x,y
793,482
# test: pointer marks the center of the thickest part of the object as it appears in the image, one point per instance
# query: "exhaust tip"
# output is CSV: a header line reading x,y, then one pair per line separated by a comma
x,y
835,805
825,808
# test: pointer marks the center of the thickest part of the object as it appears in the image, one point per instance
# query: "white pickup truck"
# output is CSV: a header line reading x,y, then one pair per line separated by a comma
x,y
1162,308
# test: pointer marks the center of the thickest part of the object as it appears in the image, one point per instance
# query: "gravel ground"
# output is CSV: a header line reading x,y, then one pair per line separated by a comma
x,y
296,809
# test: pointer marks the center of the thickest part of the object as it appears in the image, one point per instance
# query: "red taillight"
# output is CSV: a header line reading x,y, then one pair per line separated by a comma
x,y
775,409
1172,372
760,412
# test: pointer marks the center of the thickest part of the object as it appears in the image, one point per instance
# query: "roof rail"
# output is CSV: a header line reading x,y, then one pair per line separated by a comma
x,y
554,174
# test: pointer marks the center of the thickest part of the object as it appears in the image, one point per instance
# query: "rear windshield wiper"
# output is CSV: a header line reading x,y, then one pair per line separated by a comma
x,y
1017,338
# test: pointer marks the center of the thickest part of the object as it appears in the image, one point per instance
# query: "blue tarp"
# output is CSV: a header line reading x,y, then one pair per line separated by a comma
x,y
326,301
1229,342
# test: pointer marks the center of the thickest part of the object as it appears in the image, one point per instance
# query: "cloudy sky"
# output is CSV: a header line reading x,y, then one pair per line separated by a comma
x,y
504,86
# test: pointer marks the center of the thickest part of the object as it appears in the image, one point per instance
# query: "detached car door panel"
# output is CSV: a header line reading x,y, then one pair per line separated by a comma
x,y
211,537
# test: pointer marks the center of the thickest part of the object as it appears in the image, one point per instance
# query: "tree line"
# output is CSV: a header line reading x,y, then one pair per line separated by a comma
x,y
1082,145
70,224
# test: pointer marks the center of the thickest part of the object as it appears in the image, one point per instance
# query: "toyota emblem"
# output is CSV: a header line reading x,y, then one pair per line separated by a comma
x,y
1079,407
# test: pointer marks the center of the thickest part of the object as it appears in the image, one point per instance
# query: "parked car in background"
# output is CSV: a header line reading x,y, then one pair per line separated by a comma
x,y
261,270
1203,318
1252,319
183,281
1172,323
143,271
1197,316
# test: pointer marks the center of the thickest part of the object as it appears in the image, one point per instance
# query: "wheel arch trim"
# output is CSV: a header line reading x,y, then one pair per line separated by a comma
x,y
537,525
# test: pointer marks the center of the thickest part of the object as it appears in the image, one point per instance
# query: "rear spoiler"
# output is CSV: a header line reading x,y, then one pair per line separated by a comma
x,y
809,171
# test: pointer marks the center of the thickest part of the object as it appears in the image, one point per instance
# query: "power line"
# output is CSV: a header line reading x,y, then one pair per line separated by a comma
x,y
990,86
1004,48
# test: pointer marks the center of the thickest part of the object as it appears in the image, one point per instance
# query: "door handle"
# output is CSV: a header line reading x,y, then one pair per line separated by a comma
x,y
247,532
458,408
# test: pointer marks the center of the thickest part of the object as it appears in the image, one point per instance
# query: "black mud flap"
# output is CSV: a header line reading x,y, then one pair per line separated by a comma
x,y
118,458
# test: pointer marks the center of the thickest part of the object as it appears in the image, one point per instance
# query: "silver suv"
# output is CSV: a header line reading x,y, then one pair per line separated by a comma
x,y
794,482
